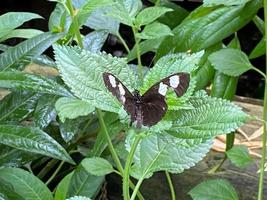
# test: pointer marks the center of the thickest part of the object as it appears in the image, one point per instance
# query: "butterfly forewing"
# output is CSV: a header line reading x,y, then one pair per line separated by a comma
x,y
116,87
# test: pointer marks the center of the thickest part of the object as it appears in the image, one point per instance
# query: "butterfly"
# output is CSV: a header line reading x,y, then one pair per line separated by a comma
x,y
147,109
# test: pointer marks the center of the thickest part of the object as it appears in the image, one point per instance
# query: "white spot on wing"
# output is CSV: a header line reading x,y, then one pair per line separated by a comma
x,y
112,81
174,81
121,89
163,89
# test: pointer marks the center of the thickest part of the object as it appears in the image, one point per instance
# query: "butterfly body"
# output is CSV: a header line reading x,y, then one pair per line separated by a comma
x,y
147,109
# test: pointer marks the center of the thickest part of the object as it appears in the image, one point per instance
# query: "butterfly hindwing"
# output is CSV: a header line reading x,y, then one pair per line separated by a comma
x,y
154,108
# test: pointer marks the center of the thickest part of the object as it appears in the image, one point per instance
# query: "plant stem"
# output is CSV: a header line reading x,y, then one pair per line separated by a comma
x,y
123,43
75,23
139,66
264,136
259,71
55,173
136,189
170,185
47,168
110,145
129,159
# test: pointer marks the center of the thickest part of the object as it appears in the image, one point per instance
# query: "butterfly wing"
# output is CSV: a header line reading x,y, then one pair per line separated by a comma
x,y
115,86
154,108
154,105
179,82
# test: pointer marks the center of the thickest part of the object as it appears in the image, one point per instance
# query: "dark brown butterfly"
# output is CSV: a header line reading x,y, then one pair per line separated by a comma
x,y
151,107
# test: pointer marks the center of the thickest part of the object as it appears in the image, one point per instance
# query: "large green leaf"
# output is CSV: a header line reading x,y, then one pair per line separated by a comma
x,y
157,152
209,3
11,157
210,117
31,47
150,14
24,184
218,189
82,72
99,20
232,62
83,183
21,33
12,20
206,26
72,108
20,81
17,106
33,140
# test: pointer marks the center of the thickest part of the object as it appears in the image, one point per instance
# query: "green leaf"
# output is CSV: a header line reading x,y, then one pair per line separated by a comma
x,y
70,128
120,13
16,106
20,81
72,108
157,152
150,14
99,20
94,41
82,71
62,187
78,198
218,189
7,193
24,184
239,156
31,47
259,50
178,13
45,111
21,33
11,157
209,3
154,30
84,184
232,62
59,19
210,117
144,46
97,166
132,6
12,20
205,27
33,140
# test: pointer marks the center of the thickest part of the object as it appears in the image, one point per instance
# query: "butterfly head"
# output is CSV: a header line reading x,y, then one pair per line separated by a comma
x,y
137,96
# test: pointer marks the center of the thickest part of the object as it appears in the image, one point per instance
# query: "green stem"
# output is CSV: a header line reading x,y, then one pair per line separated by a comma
x,y
75,23
136,189
55,173
259,71
264,136
139,66
129,159
110,145
170,185
47,168
123,43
